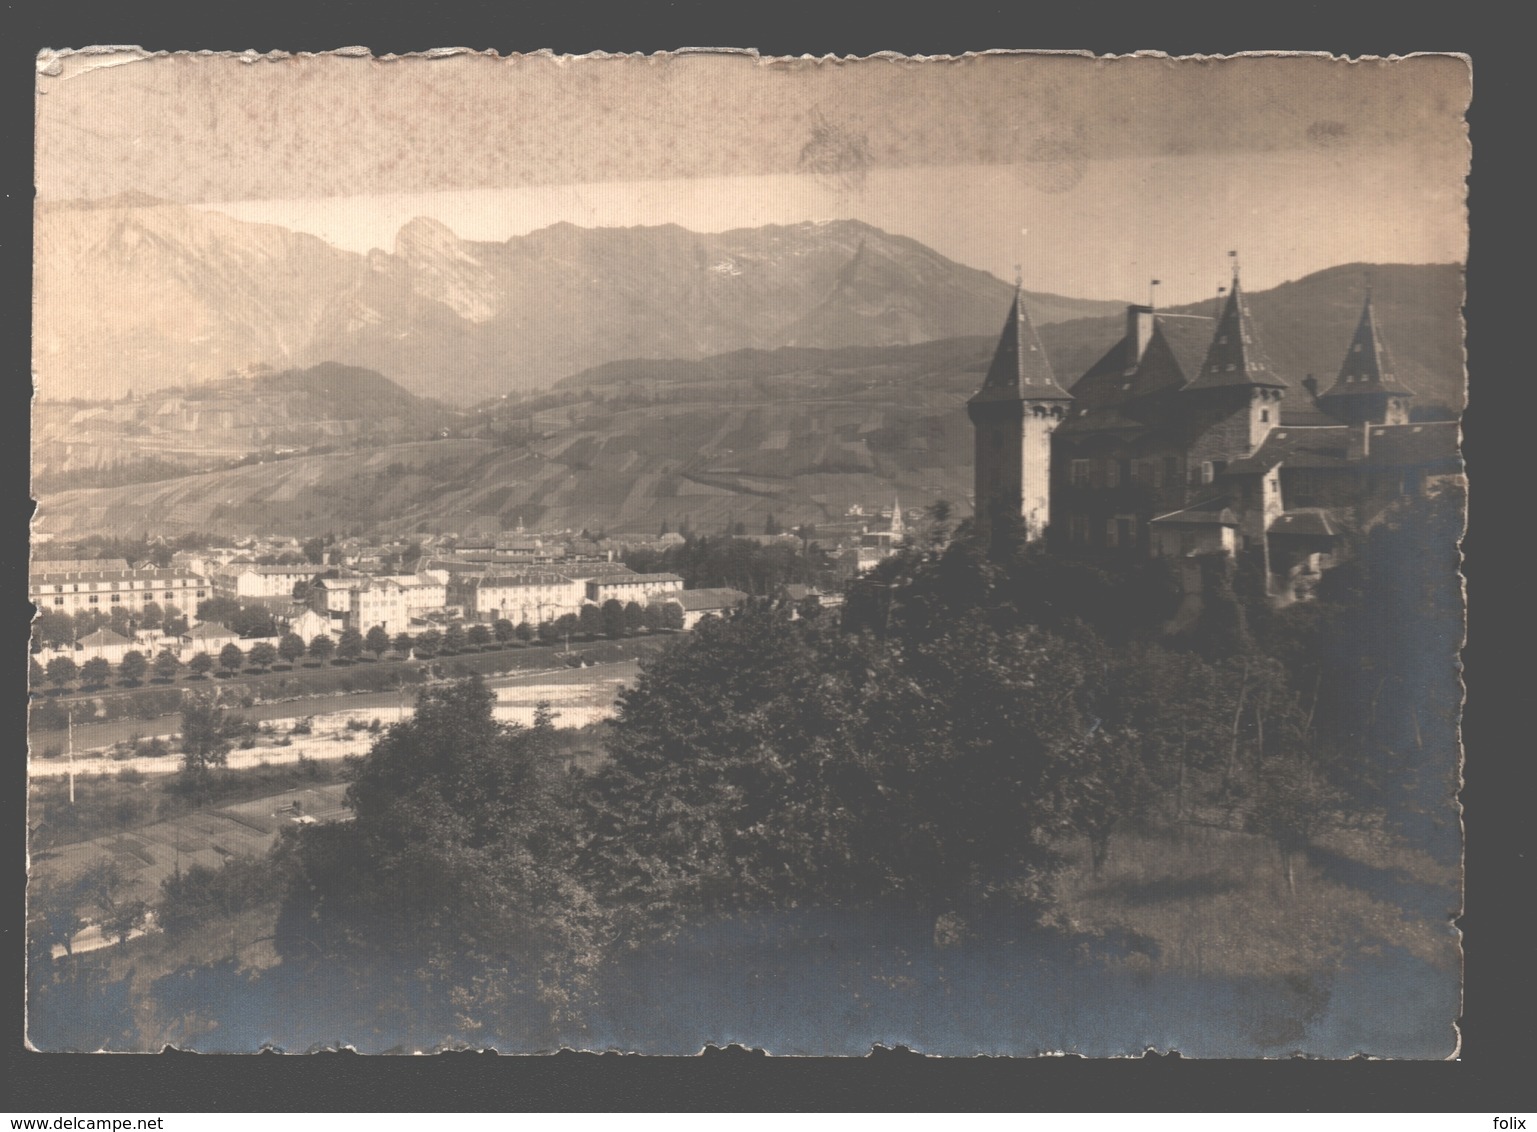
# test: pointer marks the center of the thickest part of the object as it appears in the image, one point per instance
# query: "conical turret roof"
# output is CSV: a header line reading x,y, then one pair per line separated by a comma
x,y
1020,369
1367,367
1235,357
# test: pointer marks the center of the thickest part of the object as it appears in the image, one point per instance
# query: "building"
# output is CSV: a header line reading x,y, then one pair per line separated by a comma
x,y
535,597
1143,457
377,603
103,590
208,637
1013,417
871,547
699,604
242,581
308,624
642,588
104,644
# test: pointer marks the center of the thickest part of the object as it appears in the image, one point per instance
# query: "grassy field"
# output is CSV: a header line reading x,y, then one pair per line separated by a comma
x,y
1213,902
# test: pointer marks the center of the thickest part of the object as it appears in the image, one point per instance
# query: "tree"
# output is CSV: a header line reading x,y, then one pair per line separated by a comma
x,y
503,630
253,621
221,610
612,615
524,632
429,643
452,868
87,621
54,629
771,525
315,550
377,641
350,645
591,621
166,665
402,644
454,639
120,621
54,916
95,672
263,655
36,674
672,615
205,740
654,617
231,658
200,664
634,618
479,635
134,667
322,645
152,616
291,647
175,622
62,671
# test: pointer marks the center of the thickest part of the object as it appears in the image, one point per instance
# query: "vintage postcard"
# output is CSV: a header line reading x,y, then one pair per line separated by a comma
x,y
639,552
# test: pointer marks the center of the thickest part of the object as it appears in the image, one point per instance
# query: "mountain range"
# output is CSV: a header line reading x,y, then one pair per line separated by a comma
x,y
801,433
135,294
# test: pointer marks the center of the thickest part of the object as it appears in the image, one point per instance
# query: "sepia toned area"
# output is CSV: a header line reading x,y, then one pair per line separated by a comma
x,y
641,552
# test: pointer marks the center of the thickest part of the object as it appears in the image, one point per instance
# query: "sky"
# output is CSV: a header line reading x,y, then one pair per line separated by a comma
x,y
1092,175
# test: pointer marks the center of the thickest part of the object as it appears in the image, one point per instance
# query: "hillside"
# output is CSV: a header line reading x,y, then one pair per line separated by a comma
x,y
261,414
798,432
137,295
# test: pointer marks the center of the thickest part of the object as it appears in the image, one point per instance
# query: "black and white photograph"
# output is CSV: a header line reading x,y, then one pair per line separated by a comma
x,y
640,552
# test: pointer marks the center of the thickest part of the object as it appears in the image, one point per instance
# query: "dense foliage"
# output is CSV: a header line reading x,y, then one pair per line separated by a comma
x,y
977,717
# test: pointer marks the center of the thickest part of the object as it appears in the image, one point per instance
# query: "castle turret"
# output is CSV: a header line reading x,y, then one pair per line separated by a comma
x,y
1013,416
1367,391
1236,384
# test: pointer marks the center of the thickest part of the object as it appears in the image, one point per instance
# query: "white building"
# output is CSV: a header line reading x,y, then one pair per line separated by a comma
x,y
699,604
642,588
244,581
103,590
532,597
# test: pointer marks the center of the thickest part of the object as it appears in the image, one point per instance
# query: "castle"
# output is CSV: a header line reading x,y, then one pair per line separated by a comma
x,y
1139,457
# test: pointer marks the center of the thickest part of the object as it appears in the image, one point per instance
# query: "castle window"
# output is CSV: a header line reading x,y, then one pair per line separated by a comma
x,y
1111,532
1079,529
1208,471
1264,416
1080,473
1112,473
58,601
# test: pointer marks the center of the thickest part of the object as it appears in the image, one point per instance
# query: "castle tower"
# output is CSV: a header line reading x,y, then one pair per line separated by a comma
x,y
1367,391
1012,417
1237,386
898,527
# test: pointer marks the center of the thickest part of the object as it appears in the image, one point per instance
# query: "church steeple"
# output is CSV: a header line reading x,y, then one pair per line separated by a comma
x,y
1367,389
1020,370
1234,359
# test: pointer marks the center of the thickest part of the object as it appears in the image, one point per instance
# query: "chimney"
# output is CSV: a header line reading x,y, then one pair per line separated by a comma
x,y
1310,383
1139,330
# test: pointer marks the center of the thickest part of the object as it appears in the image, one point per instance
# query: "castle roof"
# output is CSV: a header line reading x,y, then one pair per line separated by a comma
x,y
1427,444
1325,446
1234,357
1020,370
1367,367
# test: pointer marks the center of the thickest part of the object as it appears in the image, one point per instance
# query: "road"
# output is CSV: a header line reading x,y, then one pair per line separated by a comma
x,y
91,736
